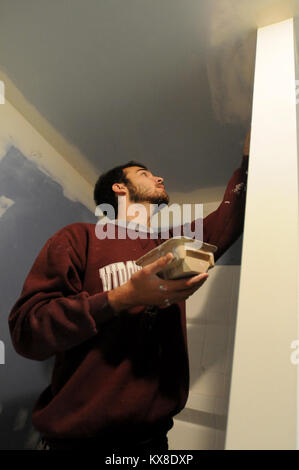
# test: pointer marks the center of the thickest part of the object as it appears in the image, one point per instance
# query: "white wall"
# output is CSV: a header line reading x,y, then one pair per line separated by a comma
x,y
211,314
262,408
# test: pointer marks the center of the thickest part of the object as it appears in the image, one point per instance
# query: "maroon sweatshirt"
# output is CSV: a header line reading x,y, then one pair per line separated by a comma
x,y
113,373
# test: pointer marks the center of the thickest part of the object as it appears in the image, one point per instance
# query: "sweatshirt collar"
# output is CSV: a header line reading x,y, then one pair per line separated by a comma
x,y
131,225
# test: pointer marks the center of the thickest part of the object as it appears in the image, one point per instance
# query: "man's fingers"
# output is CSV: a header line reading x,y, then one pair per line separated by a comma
x,y
197,279
156,266
180,295
184,294
182,284
176,285
246,146
190,290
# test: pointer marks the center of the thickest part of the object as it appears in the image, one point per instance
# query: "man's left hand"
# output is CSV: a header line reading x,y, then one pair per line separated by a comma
x,y
246,147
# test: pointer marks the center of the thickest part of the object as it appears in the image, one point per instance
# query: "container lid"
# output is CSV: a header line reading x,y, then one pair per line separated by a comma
x,y
173,243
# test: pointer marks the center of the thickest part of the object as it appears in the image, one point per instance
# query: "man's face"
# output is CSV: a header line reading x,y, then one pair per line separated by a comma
x,y
143,186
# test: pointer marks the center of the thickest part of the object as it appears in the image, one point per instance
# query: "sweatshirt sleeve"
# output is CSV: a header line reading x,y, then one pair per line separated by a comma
x,y
224,226
53,314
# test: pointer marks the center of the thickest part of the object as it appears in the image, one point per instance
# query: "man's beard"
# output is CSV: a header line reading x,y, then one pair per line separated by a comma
x,y
139,195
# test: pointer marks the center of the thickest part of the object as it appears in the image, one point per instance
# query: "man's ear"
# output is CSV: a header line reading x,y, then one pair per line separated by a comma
x,y
120,189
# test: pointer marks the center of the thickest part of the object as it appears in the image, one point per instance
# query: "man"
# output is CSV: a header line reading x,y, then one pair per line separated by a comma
x,y
118,332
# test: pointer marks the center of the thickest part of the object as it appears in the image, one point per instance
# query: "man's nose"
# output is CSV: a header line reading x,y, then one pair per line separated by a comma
x,y
159,179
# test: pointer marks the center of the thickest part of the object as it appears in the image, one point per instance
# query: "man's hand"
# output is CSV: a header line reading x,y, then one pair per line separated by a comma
x,y
246,147
146,288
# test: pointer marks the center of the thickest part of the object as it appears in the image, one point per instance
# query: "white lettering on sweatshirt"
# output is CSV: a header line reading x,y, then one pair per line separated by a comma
x,y
115,274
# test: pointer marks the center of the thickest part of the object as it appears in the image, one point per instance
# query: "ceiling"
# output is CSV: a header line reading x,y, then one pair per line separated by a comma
x,y
165,82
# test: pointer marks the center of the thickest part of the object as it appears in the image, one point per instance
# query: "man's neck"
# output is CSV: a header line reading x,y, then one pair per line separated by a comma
x,y
140,213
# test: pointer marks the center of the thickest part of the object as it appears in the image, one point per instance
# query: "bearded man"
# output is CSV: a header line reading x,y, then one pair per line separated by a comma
x,y
118,332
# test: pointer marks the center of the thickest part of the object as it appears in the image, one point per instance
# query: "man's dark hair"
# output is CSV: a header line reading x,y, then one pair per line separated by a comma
x,y
103,192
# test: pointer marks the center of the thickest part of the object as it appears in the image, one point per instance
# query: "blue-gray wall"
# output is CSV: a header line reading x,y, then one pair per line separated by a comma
x,y
39,210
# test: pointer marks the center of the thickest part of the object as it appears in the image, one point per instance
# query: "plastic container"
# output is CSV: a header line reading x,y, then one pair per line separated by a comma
x,y
191,257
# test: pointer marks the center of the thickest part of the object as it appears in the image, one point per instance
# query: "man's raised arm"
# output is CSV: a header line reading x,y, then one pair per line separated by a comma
x,y
224,226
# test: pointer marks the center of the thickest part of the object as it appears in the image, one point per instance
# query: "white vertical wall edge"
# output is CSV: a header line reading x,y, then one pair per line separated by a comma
x,y
296,45
262,406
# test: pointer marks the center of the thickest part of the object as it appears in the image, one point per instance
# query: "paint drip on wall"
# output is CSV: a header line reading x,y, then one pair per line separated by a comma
x,y
5,203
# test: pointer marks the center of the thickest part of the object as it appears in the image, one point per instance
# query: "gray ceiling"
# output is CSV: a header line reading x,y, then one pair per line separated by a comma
x,y
166,82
